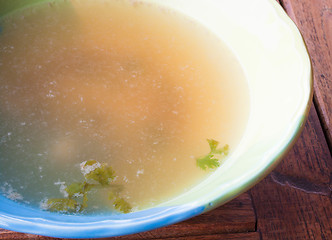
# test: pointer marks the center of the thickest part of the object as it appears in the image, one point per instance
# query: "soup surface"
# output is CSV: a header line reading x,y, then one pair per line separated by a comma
x,y
130,84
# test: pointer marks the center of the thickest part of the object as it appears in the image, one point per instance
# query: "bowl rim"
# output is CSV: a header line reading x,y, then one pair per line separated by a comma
x,y
163,216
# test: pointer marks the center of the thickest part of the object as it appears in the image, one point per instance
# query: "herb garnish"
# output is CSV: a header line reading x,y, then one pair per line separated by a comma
x,y
97,175
213,158
100,175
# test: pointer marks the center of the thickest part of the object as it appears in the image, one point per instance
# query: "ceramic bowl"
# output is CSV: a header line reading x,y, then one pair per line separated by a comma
x,y
277,67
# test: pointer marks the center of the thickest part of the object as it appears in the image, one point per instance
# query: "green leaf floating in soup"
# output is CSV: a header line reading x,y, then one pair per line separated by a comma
x,y
97,175
103,175
137,87
213,158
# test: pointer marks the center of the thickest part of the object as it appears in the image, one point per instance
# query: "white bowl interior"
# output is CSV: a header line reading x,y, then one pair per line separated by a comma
x,y
273,56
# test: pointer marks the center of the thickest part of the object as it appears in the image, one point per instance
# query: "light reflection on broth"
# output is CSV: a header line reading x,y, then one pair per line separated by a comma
x,y
132,85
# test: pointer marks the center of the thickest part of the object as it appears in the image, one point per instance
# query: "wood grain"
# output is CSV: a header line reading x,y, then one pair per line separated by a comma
x,y
9,235
230,236
236,216
287,204
314,19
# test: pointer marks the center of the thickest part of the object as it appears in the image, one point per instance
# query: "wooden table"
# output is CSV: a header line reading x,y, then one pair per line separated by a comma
x,y
295,200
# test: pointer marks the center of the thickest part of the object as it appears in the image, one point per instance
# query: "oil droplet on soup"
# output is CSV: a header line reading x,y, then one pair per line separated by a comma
x,y
132,85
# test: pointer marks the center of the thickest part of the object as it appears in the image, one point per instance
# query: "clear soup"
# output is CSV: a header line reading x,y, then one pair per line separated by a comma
x,y
130,84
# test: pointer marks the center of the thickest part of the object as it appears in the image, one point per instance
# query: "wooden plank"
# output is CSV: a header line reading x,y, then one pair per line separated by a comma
x,y
310,158
314,19
230,236
233,217
294,202
9,235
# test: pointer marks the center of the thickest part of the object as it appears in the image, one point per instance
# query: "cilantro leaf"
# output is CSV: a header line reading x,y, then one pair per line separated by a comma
x,y
78,189
62,205
98,172
85,201
102,173
74,189
213,144
208,161
119,203
122,205
222,151
213,158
